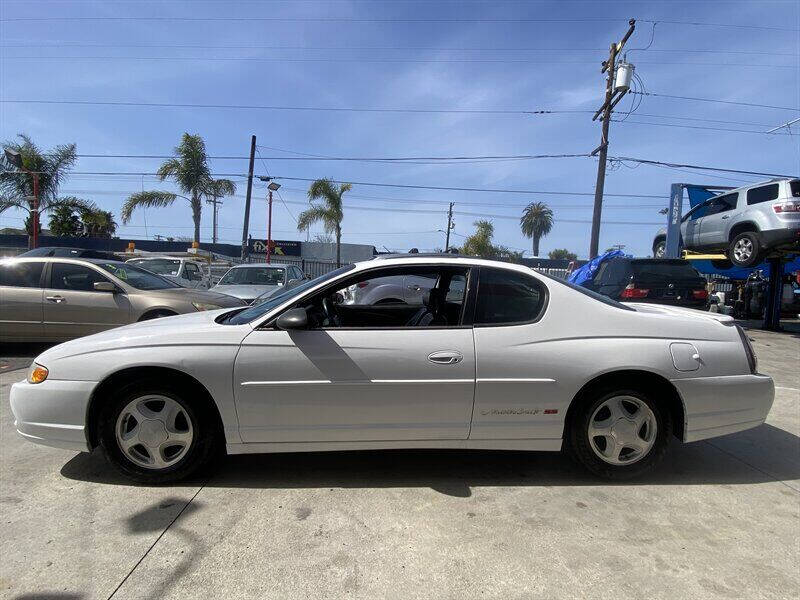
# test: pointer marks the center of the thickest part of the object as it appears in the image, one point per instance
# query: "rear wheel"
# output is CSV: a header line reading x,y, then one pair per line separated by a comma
x,y
151,434
619,433
659,249
745,249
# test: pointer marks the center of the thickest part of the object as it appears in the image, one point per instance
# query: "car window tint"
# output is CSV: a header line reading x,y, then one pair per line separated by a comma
x,y
795,187
765,193
192,272
25,274
506,297
722,204
66,276
663,270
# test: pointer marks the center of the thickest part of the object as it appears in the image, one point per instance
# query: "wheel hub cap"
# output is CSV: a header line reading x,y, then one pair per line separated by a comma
x,y
154,431
622,430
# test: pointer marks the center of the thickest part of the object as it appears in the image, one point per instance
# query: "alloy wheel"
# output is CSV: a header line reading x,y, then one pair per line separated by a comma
x,y
154,431
622,430
743,249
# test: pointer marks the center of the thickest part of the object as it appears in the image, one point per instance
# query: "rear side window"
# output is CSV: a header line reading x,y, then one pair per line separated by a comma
x,y
795,187
507,297
25,274
765,193
65,276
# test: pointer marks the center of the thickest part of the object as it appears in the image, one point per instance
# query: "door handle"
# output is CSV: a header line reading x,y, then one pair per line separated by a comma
x,y
56,299
726,216
446,357
414,287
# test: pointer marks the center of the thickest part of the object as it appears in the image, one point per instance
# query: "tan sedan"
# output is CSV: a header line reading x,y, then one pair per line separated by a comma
x,y
55,299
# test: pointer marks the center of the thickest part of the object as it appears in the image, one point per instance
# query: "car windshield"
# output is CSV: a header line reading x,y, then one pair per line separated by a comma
x,y
253,276
587,292
254,312
161,266
137,277
658,269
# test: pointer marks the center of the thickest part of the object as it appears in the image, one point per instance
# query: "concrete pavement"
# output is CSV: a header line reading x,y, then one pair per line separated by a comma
x,y
717,519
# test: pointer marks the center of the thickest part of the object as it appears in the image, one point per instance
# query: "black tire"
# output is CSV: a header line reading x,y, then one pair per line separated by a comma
x,y
659,244
203,447
578,437
756,254
157,314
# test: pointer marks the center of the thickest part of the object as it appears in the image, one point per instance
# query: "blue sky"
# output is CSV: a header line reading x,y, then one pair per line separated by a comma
x,y
487,56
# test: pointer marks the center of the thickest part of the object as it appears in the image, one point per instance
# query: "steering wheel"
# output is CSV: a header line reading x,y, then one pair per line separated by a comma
x,y
330,311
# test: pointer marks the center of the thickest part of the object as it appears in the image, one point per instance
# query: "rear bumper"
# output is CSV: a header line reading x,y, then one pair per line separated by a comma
x,y
717,406
775,238
52,413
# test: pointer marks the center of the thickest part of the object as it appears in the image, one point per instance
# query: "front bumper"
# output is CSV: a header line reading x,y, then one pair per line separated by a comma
x,y
717,406
53,412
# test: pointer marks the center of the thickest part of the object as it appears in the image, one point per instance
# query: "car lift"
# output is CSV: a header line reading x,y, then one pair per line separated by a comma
x,y
776,261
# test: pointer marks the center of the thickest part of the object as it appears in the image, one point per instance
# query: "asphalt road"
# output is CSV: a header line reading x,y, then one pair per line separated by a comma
x,y
718,519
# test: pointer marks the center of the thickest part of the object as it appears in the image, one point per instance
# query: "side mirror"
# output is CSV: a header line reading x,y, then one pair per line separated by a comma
x,y
104,286
295,318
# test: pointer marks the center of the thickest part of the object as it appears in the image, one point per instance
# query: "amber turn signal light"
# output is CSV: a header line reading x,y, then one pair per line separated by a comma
x,y
37,374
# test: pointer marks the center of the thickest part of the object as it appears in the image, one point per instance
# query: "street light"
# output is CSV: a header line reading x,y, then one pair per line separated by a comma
x,y
14,158
272,187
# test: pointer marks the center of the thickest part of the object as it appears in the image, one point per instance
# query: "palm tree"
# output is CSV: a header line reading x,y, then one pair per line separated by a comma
x,y
16,187
330,213
98,223
480,242
192,175
536,222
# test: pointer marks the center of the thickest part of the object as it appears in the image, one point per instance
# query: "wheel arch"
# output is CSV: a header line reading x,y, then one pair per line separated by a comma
x,y
638,379
152,313
741,228
131,374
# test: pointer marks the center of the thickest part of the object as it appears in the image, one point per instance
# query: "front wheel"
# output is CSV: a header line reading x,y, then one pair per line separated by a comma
x,y
745,250
619,434
151,434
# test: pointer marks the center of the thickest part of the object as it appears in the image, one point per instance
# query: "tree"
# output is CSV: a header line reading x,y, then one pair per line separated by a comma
x,y
480,242
64,222
16,187
190,172
562,254
98,223
329,213
536,222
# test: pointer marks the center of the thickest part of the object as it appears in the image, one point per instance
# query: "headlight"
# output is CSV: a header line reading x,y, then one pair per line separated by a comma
x,y
37,373
205,306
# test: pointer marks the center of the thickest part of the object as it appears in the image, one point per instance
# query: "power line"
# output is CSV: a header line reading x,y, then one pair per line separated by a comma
x,y
700,167
716,101
636,122
385,60
78,44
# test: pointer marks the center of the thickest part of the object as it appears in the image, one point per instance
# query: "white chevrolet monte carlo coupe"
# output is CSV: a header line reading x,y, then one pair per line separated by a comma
x,y
496,357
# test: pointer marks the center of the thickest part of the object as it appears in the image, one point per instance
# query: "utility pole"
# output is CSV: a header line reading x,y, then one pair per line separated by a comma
x,y
611,100
449,227
215,201
247,199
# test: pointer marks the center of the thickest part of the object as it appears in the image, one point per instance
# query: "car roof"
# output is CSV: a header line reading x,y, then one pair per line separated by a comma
x,y
439,259
261,264
69,259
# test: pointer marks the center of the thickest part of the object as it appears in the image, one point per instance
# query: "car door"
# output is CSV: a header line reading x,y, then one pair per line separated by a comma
x,y
21,300
73,308
514,378
366,375
192,275
714,225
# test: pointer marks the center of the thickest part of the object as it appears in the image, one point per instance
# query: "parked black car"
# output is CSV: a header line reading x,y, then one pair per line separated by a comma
x,y
658,280
63,252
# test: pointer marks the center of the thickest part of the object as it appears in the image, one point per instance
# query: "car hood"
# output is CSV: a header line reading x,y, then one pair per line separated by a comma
x,y
194,295
247,292
199,327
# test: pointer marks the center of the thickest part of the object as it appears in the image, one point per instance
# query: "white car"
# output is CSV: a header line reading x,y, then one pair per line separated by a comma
x,y
186,273
517,361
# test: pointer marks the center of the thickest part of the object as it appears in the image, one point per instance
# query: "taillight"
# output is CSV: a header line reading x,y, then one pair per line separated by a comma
x,y
752,361
786,207
631,291
700,294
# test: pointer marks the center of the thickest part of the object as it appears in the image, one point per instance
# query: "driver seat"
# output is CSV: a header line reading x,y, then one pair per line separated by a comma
x,y
431,313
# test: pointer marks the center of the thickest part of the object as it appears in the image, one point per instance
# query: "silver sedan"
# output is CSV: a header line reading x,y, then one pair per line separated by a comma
x,y
495,357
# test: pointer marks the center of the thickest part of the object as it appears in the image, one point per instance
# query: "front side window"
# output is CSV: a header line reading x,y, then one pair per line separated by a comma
x,y
21,274
192,272
78,278
722,204
508,297
137,277
419,296
765,193
253,276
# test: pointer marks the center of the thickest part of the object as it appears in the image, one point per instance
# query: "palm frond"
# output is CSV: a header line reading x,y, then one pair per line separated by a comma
x,y
78,204
322,189
314,214
145,200
6,203
169,168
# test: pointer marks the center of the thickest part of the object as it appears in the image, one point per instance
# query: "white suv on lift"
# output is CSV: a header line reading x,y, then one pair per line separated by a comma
x,y
746,223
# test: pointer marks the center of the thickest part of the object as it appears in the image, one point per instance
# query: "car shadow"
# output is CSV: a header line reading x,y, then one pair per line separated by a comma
x,y
760,455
